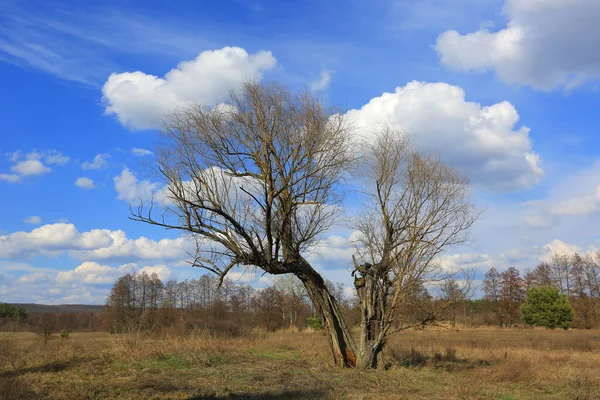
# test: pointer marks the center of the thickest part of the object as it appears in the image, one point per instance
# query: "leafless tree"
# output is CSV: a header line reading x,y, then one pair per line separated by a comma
x,y
255,182
417,207
512,294
492,291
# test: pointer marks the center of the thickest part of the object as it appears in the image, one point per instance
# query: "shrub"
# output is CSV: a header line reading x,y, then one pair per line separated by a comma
x,y
64,333
315,323
546,307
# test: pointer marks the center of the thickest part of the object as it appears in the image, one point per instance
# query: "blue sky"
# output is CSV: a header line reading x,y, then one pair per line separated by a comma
x,y
506,89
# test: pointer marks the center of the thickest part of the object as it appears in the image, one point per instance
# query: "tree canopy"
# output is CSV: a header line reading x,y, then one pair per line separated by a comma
x,y
546,306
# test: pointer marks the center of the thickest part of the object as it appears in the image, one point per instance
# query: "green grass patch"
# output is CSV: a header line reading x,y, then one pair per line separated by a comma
x,y
279,354
163,363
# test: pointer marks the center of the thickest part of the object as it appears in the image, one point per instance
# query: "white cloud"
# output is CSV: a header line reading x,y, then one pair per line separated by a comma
x,y
125,249
245,276
131,189
98,162
163,272
546,43
92,273
55,157
30,167
12,178
333,252
34,219
138,99
84,183
86,283
557,247
577,194
475,261
484,140
94,245
51,238
32,164
141,152
322,83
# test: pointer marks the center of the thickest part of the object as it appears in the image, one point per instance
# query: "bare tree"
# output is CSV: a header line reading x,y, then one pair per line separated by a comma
x,y
561,265
512,294
492,291
294,296
255,182
417,207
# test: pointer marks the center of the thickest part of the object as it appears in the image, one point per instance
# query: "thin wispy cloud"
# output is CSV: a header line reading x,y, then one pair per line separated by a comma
x,y
83,46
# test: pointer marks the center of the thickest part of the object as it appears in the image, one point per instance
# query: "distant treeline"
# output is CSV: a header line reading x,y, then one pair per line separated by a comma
x,y
142,302
577,276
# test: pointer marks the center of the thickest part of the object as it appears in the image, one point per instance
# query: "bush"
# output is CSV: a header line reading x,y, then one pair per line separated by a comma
x,y
64,333
546,307
315,323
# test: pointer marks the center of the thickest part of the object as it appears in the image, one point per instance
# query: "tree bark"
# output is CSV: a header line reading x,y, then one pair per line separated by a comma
x,y
340,338
372,327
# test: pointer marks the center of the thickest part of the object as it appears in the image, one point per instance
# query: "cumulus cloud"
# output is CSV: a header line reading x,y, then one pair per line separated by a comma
x,y
92,273
125,249
94,245
332,252
138,99
131,189
84,183
32,164
30,167
140,152
86,283
546,43
475,261
557,247
49,238
98,162
484,140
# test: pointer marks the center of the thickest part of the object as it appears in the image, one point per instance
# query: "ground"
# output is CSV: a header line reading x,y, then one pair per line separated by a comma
x,y
435,364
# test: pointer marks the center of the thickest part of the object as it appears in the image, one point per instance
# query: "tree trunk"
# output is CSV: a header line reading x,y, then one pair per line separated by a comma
x,y
370,355
340,339
372,335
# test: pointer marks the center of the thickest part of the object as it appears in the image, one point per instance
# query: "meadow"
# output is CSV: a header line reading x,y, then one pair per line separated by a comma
x,y
434,364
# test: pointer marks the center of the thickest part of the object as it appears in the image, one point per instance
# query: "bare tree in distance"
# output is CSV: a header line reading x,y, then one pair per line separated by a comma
x,y
256,181
417,207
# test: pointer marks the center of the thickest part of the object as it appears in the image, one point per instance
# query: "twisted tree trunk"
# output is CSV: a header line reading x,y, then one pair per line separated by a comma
x,y
340,339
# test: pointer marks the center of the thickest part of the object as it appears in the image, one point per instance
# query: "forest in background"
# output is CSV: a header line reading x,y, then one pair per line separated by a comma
x,y
142,302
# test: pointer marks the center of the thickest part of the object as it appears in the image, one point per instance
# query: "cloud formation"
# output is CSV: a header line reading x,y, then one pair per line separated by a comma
x,y
484,140
322,83
32,164
98,162
138,99
545,44
34,219
85,183
94,245
140,152
132,189
576,195
86,283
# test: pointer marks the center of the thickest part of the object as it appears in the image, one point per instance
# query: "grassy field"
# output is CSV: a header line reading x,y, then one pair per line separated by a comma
x,y
441,364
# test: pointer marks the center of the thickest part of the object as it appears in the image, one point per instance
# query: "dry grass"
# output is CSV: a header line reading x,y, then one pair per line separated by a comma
x,y
477,363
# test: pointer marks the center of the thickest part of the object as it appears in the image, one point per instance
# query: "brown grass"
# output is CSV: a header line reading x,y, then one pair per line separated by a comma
x,y
477,363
